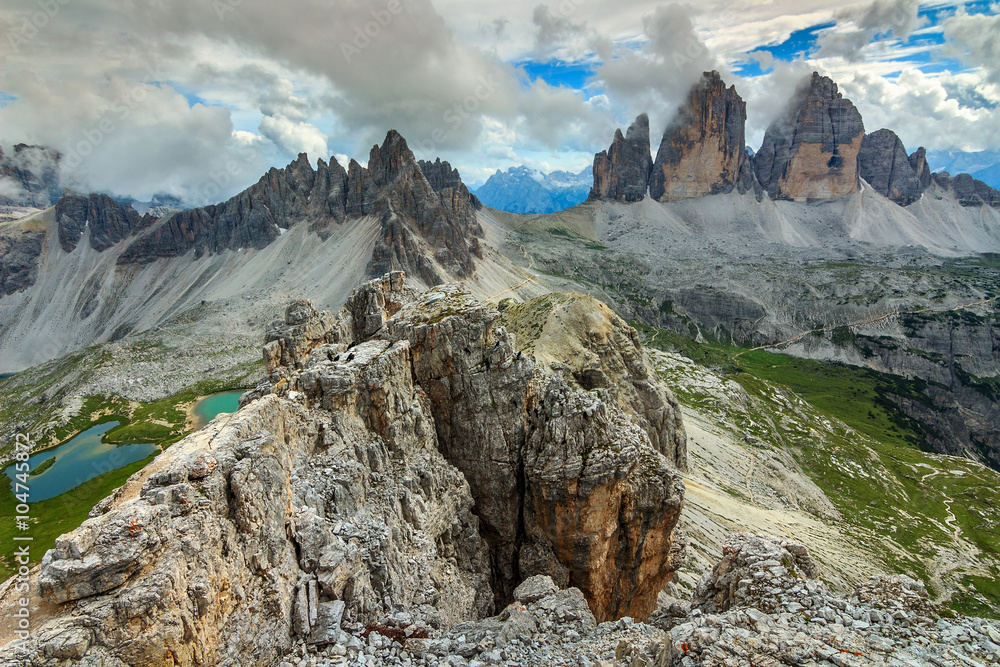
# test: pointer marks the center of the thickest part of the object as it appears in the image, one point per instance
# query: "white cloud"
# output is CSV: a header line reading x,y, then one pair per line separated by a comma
x,y
898,16
977,39
267,80
920,110
656,78
10,188
295,136
131,138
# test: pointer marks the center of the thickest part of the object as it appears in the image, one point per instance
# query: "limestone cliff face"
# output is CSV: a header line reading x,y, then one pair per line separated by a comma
x,y
402,456
621,173
885,165
918,162
811,151
969,191
703,148
107,221
594,349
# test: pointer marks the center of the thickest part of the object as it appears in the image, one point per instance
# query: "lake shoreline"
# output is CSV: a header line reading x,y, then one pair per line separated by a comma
x,y
195,421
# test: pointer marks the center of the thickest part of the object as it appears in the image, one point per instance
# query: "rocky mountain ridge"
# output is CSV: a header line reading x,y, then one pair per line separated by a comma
x,y
99,270
522,190
622,172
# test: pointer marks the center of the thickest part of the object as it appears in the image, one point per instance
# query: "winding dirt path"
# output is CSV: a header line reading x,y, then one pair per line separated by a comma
x,y
859,323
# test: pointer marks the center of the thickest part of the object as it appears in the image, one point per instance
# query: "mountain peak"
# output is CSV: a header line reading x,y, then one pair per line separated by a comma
x,y
702,150
622,172
884,165
811,151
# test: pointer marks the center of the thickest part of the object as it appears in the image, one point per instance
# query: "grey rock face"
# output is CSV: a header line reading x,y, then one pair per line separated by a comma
x,y
341,495
252,219
19,253
811,152
761,605
423,230
593,349
918,162
621,173
967,190
885,165
747,560
430,230
30,177
442,178
480,390
703,149
107,221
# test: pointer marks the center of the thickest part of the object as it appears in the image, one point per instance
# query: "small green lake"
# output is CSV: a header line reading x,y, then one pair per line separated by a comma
x,y
78,460
209,407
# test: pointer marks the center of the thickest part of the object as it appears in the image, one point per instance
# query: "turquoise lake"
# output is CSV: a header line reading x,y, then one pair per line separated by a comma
x,y
78,460
209,407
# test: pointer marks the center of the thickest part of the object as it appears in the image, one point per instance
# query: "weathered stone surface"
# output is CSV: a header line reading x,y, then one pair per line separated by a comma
x,y
107,221
253,218
621,173
540,443
884,164
19,252
811,151
534,588
967,190
427,233
761,605
594,349
747,561
599,496
918,162
442,178
430,230
704,146
30,177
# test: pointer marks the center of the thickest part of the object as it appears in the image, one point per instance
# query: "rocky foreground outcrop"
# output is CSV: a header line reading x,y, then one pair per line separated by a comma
x,y
403,464
621,173
704,147
760,606
811,151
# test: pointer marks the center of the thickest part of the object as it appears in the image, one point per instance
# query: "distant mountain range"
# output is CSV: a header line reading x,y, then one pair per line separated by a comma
x,y
984,165
524,190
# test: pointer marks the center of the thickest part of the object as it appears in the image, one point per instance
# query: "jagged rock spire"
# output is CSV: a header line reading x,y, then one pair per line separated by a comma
x,y
621,173
811,151
885,166
703,148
